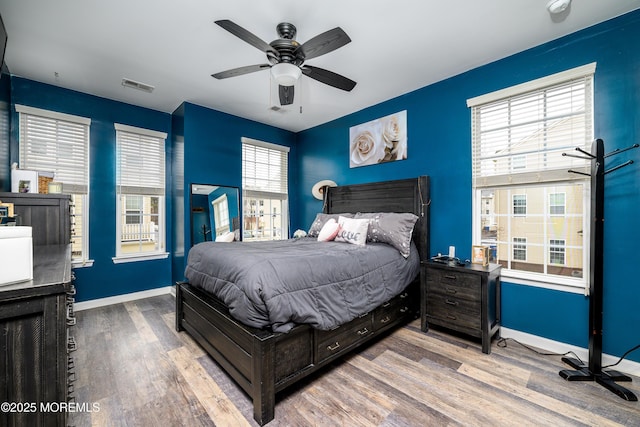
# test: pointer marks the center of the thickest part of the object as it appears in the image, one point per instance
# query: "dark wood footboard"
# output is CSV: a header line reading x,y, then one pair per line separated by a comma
x,y
264,363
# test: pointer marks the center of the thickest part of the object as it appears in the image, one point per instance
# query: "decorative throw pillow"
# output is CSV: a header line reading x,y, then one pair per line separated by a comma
x,y
394,229
352,230
329,231
226,237
321,219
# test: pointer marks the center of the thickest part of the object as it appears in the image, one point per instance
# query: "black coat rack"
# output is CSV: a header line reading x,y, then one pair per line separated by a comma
x,y
593,371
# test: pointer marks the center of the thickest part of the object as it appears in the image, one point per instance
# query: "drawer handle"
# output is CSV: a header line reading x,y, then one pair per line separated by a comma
x,y
451,291
385,319
450,276
71,344
363,331
451,316
450,302
404,294
333,347
404,309
386,304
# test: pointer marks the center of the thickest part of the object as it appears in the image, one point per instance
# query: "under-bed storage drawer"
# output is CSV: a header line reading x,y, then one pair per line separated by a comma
x,y
333,342
393,310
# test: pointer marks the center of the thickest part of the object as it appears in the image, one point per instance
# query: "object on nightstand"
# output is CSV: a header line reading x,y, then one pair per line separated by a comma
x,y
480,255
44,179
24,181
16,254
55,187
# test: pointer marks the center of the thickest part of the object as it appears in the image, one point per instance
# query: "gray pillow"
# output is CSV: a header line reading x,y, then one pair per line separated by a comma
x,y
321,219
392,228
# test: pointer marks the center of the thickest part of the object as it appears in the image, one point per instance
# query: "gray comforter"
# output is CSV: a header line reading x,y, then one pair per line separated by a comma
x,y
278,284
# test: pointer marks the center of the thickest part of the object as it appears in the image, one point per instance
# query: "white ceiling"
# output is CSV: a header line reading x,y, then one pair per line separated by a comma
x,y
174,45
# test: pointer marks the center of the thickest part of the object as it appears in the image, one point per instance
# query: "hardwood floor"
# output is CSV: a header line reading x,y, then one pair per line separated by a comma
x,y
138,371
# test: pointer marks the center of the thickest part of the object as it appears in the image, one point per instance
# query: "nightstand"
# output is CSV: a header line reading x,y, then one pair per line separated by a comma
x,y
462,298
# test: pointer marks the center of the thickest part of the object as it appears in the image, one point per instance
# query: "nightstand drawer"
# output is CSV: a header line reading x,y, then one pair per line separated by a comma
x,y
455,313
451,283
472,308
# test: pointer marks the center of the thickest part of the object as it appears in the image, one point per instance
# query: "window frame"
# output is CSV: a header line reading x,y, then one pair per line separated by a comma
x,y
143,193
74,189
550,178
254,197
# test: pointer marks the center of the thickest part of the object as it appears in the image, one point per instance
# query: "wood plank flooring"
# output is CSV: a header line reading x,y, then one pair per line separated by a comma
x,y
141,372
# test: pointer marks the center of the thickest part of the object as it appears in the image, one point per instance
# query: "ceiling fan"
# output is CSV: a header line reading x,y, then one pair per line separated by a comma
x,y
286,57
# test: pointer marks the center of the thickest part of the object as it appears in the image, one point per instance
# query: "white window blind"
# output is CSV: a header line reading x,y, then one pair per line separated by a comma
x,y
57,143
140,161
265,209
264,167
520,138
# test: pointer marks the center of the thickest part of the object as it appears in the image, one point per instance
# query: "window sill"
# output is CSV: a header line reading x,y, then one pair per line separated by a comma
x,y
540,282
82,263
139,257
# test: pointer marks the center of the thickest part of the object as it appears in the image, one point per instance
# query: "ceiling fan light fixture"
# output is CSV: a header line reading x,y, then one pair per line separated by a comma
x,y
286,74
557,6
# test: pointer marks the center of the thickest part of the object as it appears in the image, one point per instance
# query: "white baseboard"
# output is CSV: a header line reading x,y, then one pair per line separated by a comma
x,y
626,366
101,302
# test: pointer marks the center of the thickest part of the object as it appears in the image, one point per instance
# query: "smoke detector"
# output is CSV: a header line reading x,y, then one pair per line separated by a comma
x,y
557,6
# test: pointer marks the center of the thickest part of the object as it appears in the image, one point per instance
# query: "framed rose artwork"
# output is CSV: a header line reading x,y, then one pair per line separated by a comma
x,y
378,141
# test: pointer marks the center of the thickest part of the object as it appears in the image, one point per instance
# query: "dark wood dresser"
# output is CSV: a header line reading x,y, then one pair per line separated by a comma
x,y
36,319
36,342
462,298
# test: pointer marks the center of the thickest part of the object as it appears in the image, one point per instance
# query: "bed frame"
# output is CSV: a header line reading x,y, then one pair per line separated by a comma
x,y
263,362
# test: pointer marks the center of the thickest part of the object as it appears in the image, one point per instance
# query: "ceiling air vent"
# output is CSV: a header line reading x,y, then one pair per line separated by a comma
x,y
137,85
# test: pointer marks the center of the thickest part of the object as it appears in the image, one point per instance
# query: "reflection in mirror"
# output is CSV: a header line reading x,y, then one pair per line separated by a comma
x,y
215,213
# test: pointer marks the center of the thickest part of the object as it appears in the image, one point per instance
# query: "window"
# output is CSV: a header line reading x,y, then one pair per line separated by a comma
x,y
264,189
519,249
528,208
221,215
556,252
140,191
557,203
519,204
59,143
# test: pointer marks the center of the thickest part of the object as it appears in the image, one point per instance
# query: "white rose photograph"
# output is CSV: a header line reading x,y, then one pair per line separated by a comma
x,y
379,141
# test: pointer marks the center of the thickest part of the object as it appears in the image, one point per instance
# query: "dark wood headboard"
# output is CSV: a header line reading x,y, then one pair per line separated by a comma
x,y
404,195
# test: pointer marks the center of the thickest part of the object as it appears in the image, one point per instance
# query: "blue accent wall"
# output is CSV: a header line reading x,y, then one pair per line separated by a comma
x,y
104,278
439,145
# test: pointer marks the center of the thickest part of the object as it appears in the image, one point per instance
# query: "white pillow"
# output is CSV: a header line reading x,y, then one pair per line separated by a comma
x,y
329,231
353,230
226,237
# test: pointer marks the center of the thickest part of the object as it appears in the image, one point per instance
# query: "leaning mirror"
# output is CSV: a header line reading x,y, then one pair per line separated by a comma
x,y
215,213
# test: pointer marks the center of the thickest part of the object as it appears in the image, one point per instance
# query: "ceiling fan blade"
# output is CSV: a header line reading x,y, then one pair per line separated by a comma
x,y
286,95
245,35
324,43
328,77
240,71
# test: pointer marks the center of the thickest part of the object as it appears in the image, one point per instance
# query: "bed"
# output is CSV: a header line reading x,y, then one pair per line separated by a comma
x,y
264,362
